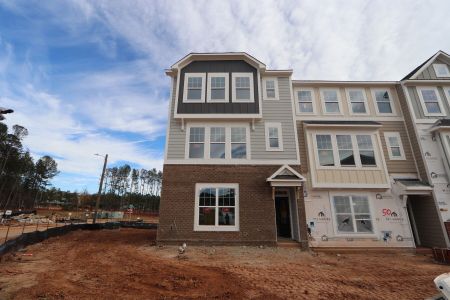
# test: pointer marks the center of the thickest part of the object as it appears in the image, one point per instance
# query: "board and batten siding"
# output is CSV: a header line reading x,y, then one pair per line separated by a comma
x,y
276,111
177,138
398,166
415,101
429,73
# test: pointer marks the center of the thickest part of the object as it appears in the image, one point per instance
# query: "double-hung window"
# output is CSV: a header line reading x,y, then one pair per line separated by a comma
x,y
218,87
383,102
194,87
243,87
238,142
270,86
274,140
196,142
217,142
394,145
305,98
330,100
357,101
366,151
430,101
352,214
217,207
441,70
325,150
345,148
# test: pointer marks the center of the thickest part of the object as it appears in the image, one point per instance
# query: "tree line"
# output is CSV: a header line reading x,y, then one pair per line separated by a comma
x,y
23,181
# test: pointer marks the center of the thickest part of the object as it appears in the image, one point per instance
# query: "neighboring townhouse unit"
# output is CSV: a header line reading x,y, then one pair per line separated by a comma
x,y
231,169
425,97
358,163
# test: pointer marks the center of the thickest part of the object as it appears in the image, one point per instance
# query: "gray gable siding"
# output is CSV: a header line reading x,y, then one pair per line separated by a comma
x,y
177,137
228,66
415,101
279,111
429,73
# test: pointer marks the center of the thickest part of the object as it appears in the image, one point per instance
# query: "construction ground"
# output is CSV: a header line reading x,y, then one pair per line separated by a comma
x,y
126,264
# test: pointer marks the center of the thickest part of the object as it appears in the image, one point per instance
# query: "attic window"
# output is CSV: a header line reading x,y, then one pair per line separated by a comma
x,y
441,70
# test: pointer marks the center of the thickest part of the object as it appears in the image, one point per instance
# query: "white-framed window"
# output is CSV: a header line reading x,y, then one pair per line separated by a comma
x,y
447,94
242,87
394,146
430,101
441,70
330,101
270,88
217,141
218,88
305,100
344,150
352,214
274,137
194,87
383,101
216,207
196,142
357,102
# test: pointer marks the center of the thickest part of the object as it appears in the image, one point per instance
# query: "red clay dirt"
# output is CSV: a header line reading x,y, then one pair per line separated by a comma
x,y
125,264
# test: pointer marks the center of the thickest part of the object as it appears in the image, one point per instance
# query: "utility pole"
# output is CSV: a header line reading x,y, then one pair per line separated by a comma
x,y
97,203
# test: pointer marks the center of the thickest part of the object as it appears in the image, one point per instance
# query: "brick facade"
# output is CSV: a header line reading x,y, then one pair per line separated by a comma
x,y
256,206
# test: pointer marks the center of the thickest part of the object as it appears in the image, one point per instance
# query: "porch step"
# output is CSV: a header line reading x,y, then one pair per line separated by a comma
x,y
288,244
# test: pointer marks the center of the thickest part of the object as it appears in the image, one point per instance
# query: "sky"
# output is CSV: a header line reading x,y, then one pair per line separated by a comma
x,y
87,77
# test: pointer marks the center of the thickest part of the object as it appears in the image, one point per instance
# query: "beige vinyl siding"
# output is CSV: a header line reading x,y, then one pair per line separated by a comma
x,y
398,166
354,176
417,155
177,137
276,111
429,72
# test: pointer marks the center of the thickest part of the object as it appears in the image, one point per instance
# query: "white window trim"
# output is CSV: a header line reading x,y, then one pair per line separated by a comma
x,y
337,164
268,125
233,89
185,88
207,147
227,88
297,102
349,103
198,227
322,100
422,102
447,94
391,101
435,66
387,135
275,80
353,234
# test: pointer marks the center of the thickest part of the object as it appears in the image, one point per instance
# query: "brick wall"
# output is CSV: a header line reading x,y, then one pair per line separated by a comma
x,y
256,207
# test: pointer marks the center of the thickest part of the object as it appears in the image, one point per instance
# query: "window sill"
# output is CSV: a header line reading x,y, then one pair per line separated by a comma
x,y
193,101
243,101
274,149
215,228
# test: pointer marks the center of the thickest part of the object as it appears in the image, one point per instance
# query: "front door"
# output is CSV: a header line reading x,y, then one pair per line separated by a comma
x,y
283,216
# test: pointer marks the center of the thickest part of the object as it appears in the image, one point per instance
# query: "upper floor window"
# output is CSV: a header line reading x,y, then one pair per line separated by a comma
x,y
243,87
217,146
274,141
430,101
194,87
330,101
218,87
238,142
305,98
345,150
270,86
394,145
352,214
357,101
383,102
196,142
441,70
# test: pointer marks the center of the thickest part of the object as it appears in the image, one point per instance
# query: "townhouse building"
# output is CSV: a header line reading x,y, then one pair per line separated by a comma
x,y
254,157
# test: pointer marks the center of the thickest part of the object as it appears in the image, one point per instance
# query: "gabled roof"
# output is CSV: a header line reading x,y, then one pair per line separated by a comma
x,y
218,56
286,174
424,65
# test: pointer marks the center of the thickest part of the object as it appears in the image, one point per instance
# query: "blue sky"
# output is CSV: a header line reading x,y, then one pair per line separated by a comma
x,y
88,77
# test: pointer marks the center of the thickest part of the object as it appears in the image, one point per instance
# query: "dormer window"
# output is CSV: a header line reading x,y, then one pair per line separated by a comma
x,y
218,87
194,87
441,70
243,87
270,86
